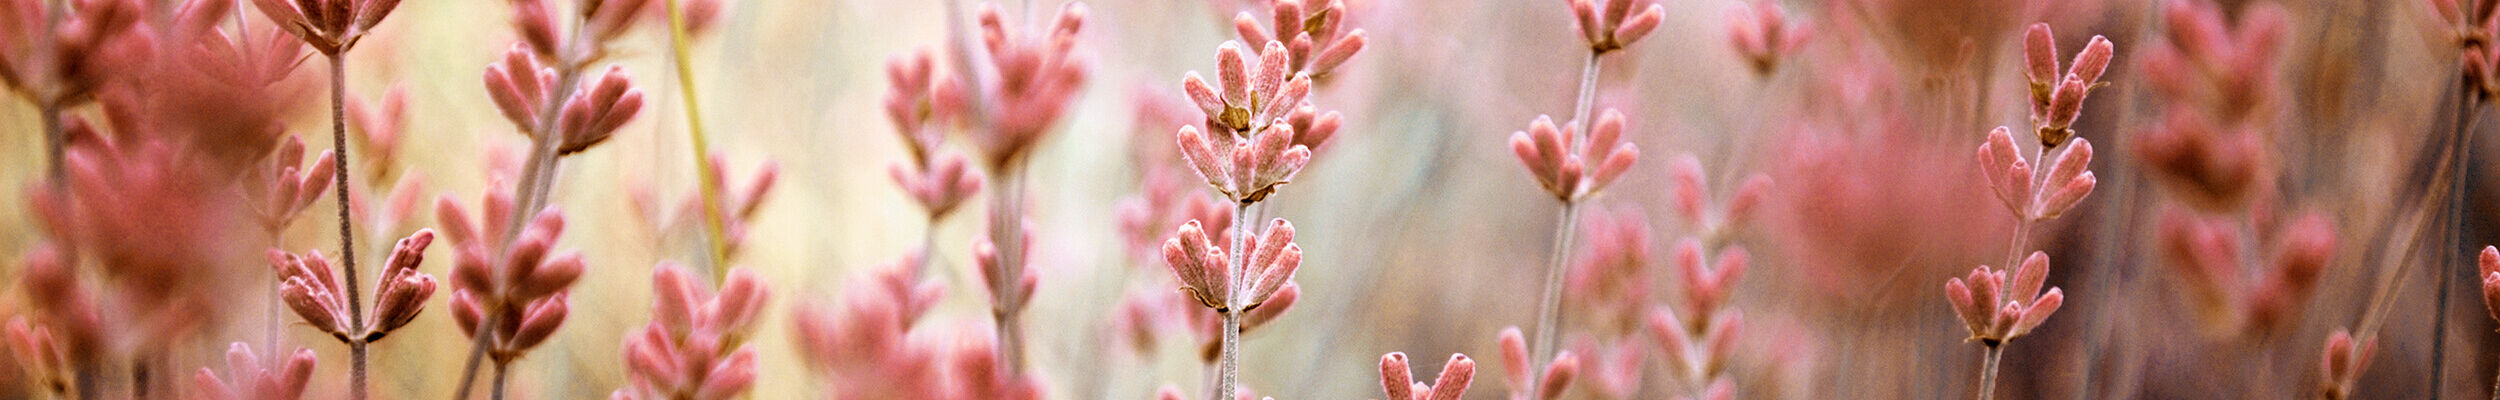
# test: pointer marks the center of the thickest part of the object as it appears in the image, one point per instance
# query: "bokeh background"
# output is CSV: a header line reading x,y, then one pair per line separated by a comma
x,y
1421,232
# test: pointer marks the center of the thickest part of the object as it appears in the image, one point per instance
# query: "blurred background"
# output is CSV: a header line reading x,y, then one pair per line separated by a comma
x,y
1423,235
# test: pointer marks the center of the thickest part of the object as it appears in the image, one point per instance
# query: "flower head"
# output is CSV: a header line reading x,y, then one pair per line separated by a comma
x,y
2344,360
1303,30
250,379
1256,93
1615,26
1762,33
1557,161
1452,383
1245,170
525,290
695,346
1038,76
1205,272
314,292
1995,312
331,26
2011,176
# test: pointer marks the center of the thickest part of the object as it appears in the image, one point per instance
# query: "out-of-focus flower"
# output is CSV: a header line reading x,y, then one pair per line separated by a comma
x,y
2205,255
1254,97
864,345
1615,26
1611,276
39,359
940,187
1206,273
519,86
912,86
248,378
2218,84
1558,162
331,26
1761,32
597,109
315,293
1695,355
1556,377
2057,96
381,126
2489,266
77,59
2339,370
1038,76
1396,379
1721,220
1995,312
2471,26
701,15
1304,31
1706,287
525,291
284,188
694,347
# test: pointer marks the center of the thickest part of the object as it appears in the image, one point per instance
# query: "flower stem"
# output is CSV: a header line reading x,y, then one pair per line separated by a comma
x,y
712,225
538,174
1228,367
1007,234
1549,309
477,353
499,381
1988,372
347,230
55,145
2454,218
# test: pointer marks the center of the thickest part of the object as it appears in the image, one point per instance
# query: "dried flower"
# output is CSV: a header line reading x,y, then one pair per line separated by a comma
x,y
1205,273
2057,97
1255,96
1561,165
1761,33
1038,74
1452,383
526,288
1994,312
250,379
694,347
2011,175
314,292
1615,27
331,26
2341,366
1304,30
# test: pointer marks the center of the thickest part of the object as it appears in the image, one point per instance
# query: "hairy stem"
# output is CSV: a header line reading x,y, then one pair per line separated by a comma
x,y
347,230
1549,309
1228,366
712,225
1007,234
1988,372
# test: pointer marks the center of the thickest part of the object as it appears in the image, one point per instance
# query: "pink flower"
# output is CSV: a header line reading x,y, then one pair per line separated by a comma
x,y
77,60
1452,383
1245,170
1697,348
2204,254
1561,165
525,290
381,126
693,348
2011,175
1555,378
1615,27
250,379
1762,34
331,26
1304,31
2057,96
1994,312
2344,360
940,186
1038,76
1707,287
1205,272
1254,97
864,344
1612,273
284,188
2489,266
596,110
314,292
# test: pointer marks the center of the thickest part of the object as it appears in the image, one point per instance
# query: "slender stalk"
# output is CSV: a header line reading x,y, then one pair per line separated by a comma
x,y
1228,367
1549,309
499,381
712,225
477,353
347,230
1988,373
2453,209
1007,233
530,194
928,249
139,379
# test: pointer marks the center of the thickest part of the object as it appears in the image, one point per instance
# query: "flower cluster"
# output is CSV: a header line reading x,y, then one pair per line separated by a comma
x,y
85,45
314,292
1558,161
2057,96
1760,32
2344,360
695,346
2033,197
1304,30
1037,76
1396,379
2206,255
1206,273
938,182
330,26
1615,26
518,84
1975,299
2218,86
1254,97
249,378
521,295
282,190
1550,382
866,348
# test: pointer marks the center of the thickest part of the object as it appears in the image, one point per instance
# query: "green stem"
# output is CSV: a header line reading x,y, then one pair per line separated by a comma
x,y
713,229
